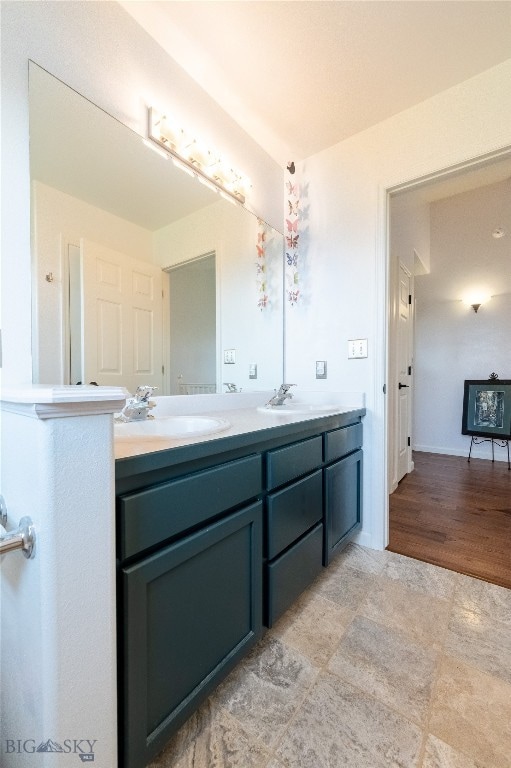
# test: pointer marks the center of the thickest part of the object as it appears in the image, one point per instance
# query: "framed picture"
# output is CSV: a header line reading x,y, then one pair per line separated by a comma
x,y
487,408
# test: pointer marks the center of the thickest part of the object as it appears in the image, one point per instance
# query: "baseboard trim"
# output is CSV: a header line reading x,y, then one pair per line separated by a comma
x,y
365,540
478,452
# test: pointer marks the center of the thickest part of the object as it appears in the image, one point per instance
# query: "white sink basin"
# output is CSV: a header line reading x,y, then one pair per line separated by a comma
x,y
173,428
297,409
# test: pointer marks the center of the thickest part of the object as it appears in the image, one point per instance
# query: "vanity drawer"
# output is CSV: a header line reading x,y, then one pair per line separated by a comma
x,y
292,511
342,441
292,572
151,516
289,462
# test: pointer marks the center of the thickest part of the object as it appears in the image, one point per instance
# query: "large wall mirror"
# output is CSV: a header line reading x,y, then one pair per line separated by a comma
x,y
141,274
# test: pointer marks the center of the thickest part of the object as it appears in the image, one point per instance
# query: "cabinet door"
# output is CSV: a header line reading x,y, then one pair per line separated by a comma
x,y
190,612
343,503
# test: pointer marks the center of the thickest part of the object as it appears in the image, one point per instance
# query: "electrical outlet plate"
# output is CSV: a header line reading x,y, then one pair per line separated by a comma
x,y
357,348
229,356
252,371
321,369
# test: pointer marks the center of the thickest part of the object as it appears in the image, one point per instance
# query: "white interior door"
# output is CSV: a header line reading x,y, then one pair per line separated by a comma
x,y
404,377
121,319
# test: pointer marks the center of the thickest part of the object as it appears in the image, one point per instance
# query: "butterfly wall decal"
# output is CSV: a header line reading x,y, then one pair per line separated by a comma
x,y
261,284
292,259
294,207
292,241
292,189
292,226
293,296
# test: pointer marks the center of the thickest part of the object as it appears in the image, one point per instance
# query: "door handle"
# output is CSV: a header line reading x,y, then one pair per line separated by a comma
x,y
22,538
403,386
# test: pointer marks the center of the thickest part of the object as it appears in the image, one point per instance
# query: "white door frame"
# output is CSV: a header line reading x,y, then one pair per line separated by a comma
x,y
383,329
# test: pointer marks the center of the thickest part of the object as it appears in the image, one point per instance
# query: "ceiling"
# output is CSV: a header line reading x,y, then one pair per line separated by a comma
x,y
300,76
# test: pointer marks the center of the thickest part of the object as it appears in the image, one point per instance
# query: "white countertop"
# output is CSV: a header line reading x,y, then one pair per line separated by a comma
x,y
240,410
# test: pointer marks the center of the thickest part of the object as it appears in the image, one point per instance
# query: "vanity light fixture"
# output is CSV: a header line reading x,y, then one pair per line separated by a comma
x,y
227,196
207,183
160,152
190,155
183,166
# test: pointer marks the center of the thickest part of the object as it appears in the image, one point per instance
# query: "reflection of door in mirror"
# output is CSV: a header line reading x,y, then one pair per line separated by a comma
x,y
120,301
191,347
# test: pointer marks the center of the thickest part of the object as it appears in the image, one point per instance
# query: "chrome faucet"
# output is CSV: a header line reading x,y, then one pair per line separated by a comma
x,y
281,396
137,407
230,386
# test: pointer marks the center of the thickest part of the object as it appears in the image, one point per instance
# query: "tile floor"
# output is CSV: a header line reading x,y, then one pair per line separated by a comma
x,y
385,662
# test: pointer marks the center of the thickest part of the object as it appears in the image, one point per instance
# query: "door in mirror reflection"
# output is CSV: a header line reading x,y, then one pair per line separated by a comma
x,y
190,346
116,335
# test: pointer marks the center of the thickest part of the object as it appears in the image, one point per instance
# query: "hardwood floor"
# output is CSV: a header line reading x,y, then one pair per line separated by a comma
x,y
455,514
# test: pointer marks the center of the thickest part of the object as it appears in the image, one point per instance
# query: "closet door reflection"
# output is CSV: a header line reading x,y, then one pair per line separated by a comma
x,y
191,346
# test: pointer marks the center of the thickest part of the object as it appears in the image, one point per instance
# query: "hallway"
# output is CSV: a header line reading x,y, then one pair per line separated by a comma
x,y
456,515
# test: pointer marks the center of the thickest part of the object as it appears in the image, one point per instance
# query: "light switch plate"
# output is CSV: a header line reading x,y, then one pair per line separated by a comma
x,y
229,356
357,348
321,369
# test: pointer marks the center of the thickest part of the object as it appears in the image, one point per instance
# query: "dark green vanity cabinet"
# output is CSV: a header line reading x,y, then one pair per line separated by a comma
x,y
192,608
213,541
